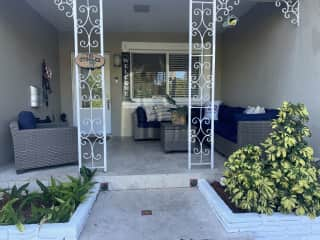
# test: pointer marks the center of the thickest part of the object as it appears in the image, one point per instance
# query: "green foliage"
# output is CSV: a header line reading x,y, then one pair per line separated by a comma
x,y
87,173
54,203
180,110
8,215
246,182
279,175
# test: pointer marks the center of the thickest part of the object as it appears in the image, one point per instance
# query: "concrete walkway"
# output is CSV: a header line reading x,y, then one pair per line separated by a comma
x,y
177,214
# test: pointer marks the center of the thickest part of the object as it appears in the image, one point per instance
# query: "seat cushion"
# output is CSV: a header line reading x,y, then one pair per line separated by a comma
x,y
27,120
227,130
151,124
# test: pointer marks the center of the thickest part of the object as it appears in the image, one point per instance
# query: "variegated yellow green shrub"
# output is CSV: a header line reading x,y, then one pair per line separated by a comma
x,y
247,183
289,162
279,175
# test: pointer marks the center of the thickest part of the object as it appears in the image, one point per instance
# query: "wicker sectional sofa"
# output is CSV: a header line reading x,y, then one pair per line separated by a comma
x,y
235,129
249,132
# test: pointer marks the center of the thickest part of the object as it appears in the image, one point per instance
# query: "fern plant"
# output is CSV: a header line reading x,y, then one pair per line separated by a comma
x,y
279,175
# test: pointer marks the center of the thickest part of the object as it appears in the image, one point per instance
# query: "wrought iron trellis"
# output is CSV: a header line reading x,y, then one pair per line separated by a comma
x,y
290,10
203,17
91,110
202,48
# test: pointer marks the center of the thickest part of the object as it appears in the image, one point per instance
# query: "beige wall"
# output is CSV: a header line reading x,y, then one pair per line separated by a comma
x,y
266,61
121,119
25,39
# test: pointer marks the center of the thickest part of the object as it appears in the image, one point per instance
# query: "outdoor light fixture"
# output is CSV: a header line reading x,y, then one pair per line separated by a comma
x,y
116,60
231,22
34,97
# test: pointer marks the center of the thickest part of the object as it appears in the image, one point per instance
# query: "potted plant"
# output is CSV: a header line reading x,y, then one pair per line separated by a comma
x,y
178,113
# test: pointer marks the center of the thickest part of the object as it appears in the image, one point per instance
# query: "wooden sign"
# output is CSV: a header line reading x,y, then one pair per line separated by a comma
x,y
90,60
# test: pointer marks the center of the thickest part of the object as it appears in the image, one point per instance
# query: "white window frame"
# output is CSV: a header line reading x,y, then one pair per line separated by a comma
x,y
155,48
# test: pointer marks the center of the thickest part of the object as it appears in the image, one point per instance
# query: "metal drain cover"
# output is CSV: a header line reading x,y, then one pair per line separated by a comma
x,y
146,212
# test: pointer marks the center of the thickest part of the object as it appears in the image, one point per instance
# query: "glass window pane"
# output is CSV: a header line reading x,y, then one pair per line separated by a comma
x,y
178,75
149,75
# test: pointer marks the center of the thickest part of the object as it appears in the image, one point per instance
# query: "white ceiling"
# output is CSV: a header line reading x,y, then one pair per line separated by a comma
x,y
164,15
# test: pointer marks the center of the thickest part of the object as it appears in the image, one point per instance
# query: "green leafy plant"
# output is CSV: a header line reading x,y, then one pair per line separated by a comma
x,y
179,113
9,216
282,168
87,173
54,203
247,183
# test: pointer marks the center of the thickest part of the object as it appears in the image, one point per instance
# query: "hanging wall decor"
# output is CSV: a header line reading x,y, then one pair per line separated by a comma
x,y
46,78
126,76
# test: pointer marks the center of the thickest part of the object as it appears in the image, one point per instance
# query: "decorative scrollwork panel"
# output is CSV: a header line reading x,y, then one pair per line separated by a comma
x,y
290,10
225,8
201,81
65,6
90,84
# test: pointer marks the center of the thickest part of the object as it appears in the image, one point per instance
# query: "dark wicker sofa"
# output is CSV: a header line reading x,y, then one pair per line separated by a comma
x,y
235,129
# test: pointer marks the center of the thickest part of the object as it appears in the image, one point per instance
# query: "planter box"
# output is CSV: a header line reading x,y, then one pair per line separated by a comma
x,y
275,227
55,231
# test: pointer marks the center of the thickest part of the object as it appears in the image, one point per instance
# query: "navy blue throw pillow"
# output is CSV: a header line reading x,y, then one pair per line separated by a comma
x,y
27,120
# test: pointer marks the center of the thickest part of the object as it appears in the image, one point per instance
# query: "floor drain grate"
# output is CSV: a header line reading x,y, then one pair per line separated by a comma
x,y
146,212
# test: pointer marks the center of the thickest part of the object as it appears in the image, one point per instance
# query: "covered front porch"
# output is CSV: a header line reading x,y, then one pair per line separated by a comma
x,y
125,91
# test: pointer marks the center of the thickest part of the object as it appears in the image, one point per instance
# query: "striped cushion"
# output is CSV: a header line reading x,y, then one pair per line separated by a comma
x,y
163,113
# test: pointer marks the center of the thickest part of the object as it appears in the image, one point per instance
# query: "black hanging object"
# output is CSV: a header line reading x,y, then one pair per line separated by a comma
x,y
46,77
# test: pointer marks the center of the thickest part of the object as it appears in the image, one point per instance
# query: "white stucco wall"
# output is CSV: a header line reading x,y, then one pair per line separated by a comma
x,y
266,61
25,40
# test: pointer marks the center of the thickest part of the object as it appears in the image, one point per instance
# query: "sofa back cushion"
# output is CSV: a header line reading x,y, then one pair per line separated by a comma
x,y
141,115
227,113
26,120
268,116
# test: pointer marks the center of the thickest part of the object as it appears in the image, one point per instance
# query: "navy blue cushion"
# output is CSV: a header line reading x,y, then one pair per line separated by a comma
x,y
273,113
142,119
141,115
269,115
227,130
226,113
26,120
151,124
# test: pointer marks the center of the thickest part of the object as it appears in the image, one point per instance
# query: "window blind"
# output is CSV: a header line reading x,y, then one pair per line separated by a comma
x,y
179,75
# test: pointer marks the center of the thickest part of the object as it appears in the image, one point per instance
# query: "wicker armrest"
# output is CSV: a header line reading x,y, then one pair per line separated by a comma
x,y
253,132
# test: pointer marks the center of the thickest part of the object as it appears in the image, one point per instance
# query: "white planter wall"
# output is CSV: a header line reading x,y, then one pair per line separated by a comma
x,y
275,227
55,231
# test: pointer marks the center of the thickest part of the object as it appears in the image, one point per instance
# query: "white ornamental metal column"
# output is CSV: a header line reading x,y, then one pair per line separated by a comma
x,y
89,76
202,51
